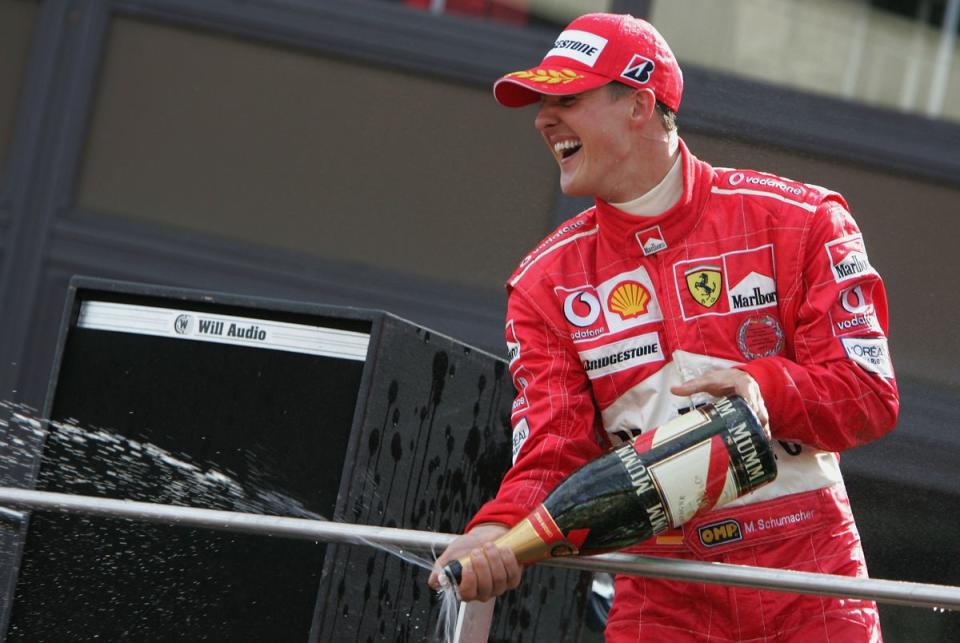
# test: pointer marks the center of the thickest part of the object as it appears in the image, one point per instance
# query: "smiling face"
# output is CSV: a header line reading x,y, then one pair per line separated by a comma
x,y
589,135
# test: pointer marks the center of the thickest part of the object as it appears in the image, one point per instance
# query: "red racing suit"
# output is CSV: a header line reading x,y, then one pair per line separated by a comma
x,y
747,270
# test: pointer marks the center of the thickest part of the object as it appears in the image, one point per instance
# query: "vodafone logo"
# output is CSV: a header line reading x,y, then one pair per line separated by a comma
x,y
853,300
738,178
581,308
858,316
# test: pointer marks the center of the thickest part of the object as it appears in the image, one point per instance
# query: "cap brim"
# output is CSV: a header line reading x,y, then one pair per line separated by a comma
x,y
526,87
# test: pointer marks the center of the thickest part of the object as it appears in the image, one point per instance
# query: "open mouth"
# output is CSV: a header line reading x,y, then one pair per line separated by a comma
x,y
566,149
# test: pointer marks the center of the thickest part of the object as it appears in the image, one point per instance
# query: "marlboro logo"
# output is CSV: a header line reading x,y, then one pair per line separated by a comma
x,y
848,258
651,240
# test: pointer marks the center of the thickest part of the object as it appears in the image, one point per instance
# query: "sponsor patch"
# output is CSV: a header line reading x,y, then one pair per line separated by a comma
x,y
871,353
521,431
546,243
720,533
751,279
855,314
622,355
753,180
582,46
639,69
671,537
625,301
583,311
848,258
651,240
760,337
513,344
520,403
746,282
705,284
629,299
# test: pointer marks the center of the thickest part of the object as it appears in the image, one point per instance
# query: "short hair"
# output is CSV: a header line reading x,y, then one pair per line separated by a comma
x,y
668,117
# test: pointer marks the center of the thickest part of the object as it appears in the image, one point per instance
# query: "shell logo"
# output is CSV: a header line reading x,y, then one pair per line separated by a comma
x,y
629,300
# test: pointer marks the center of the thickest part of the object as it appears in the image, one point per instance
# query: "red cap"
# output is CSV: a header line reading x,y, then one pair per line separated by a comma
x,y
592,51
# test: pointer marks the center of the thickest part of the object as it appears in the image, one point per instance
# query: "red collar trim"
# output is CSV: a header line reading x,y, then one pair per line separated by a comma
x,y
649,235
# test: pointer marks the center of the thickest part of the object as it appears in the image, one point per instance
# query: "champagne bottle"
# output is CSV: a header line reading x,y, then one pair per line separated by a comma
x,y
663,478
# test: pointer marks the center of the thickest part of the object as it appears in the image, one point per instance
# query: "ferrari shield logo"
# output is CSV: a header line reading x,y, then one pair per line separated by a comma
x,y
705,284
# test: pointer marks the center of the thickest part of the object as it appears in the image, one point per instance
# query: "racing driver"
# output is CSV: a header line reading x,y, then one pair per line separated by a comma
x,y
682,283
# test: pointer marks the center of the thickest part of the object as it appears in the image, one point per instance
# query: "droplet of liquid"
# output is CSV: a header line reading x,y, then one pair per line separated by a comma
x,y
396,447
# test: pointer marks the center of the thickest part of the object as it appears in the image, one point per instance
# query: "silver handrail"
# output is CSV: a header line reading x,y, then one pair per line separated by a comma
x,y
882,591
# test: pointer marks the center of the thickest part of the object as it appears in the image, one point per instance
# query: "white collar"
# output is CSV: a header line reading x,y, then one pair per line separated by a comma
x,y
660,198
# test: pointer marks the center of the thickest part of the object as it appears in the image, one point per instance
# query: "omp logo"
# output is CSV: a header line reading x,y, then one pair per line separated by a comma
x,y
720,533
582,46
639,69
629,300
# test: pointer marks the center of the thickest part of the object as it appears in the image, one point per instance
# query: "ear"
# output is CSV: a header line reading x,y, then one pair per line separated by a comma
x,y
643,106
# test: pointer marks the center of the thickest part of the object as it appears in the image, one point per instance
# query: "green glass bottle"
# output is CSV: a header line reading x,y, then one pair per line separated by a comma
x,y
663,478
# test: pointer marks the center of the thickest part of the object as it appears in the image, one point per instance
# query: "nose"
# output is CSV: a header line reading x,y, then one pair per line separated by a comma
x,y
546,116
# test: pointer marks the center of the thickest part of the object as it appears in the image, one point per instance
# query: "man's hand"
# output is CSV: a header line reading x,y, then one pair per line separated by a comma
x,y
491,571
728,381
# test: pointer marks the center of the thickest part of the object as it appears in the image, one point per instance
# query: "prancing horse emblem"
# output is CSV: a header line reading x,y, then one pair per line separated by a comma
x,y
705,284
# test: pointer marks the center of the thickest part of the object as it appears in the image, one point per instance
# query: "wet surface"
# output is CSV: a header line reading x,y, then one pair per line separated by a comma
x,y
429,447
436,444
207,425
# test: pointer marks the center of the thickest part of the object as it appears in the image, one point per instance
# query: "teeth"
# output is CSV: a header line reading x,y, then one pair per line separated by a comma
x,y
562,146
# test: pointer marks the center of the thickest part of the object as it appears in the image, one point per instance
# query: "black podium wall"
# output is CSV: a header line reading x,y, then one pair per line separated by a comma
x,y
229,402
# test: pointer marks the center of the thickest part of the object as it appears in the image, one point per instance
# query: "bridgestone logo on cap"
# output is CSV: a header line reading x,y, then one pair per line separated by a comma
x,y
639,69
582,46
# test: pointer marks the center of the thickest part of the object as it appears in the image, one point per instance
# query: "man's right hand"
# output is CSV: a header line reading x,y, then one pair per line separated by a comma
x,y
491,572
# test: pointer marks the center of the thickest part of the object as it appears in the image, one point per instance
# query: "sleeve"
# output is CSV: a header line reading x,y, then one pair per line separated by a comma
x,y
839,391
554,418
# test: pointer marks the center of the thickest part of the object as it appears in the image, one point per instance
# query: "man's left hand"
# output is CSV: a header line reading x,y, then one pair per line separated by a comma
x,y
728,381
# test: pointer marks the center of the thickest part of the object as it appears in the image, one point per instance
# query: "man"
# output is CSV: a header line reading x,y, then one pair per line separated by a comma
x,y
685,282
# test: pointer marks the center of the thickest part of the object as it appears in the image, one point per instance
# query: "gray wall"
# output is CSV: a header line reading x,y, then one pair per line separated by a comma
x,y
351,154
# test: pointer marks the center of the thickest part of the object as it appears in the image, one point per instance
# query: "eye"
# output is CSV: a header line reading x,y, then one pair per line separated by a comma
x,y
567,101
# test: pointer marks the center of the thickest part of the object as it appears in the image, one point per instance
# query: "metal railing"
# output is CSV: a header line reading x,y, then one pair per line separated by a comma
x,y
475,618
